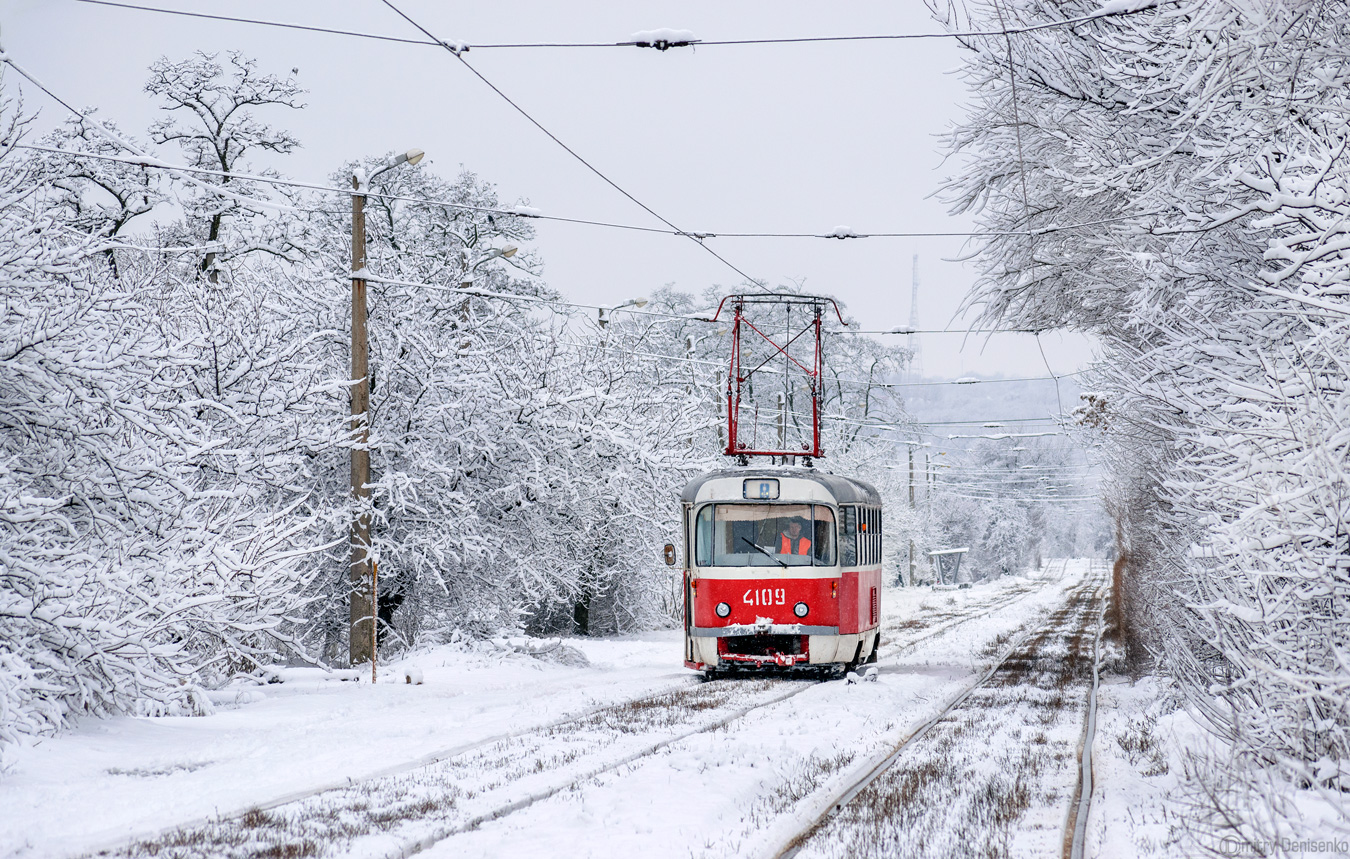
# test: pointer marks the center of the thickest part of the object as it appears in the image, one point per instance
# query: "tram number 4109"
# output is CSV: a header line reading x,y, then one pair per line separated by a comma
x,y
765,596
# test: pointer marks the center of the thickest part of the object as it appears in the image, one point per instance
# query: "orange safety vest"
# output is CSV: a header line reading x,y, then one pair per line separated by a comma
x,y
785,545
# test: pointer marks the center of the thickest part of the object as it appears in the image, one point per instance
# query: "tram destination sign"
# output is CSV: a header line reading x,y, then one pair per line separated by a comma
x,y
761,489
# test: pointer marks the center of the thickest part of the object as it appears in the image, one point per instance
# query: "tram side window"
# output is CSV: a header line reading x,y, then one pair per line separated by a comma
x,y
703,537
876,535
848,537
824,535
865,544
872,535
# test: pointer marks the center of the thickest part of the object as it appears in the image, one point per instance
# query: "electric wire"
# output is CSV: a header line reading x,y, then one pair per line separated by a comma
x,y
1024,470
458,51
144,160
159,164
374,278
123,144
151,162
991,423
459,55
432,41
552,303
148,162
1066,498
722,364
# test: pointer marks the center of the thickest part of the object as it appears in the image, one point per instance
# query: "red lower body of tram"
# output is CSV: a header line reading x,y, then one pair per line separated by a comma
x,y
782,622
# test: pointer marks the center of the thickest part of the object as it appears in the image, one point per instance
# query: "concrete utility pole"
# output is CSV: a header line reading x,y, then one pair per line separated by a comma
x,y
911,507
361,580
722,399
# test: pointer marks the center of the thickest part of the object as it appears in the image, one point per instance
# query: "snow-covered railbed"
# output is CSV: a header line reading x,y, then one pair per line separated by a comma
x,y
441,802
401,813
722,793
992,774
532,737
111,781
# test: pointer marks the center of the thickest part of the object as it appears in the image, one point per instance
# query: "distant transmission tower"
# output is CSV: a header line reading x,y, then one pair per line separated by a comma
x,y
916,356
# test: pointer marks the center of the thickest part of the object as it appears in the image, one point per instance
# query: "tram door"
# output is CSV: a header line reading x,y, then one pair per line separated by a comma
x,y
688,584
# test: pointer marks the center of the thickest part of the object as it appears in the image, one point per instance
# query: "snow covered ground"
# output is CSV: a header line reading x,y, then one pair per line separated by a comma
x,y
1139,760
111,780
713,765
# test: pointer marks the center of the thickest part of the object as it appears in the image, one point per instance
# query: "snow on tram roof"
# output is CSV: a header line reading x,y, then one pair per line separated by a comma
x,y
846,490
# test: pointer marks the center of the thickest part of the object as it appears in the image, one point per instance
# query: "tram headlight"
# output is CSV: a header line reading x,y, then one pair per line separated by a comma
x,y
800,609
723,609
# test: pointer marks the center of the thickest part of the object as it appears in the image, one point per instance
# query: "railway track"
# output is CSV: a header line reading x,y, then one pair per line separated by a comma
x,y
1075,826
423,802
933,793
956,618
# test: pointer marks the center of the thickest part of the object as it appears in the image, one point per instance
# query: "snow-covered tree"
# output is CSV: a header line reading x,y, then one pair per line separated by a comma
x,y
1198,149
128,580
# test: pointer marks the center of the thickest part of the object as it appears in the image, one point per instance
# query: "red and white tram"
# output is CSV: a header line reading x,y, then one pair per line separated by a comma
x,y
783,570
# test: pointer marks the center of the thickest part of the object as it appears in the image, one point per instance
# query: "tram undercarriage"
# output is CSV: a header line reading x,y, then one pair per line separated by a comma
x,y
782,652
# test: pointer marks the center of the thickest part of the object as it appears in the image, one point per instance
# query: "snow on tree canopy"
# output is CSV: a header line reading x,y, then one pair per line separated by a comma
x,y
1203,154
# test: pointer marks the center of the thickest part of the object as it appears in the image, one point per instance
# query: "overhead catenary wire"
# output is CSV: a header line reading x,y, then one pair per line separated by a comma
x,y
459,55
548,301
1087,469
554,302
117,140
458,50
144,160
1040,484
558,302
1041,487
152,162
433,42
1048,499
166,166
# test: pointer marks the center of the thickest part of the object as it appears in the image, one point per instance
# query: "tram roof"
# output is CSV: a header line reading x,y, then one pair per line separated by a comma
x,y
845,490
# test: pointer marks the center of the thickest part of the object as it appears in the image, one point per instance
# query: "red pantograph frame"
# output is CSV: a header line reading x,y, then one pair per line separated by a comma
x,y
738,376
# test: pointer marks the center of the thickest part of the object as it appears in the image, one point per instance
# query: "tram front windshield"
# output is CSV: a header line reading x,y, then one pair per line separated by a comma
x,y
764,535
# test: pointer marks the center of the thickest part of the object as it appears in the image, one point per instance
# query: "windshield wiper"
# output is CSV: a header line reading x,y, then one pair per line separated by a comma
x,y
764,553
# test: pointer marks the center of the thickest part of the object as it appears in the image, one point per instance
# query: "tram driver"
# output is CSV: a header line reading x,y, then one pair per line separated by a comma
x,y
791,540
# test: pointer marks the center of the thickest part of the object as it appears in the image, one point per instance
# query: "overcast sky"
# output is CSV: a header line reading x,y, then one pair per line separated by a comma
x,y
762,138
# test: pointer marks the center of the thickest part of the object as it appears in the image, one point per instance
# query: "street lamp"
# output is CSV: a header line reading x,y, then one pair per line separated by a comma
x,y
362,576
632,302
505,252
411,157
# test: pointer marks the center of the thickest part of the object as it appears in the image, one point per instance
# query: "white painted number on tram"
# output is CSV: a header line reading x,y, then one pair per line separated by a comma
x,y
765,596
